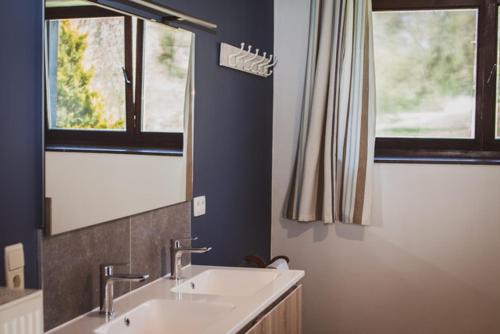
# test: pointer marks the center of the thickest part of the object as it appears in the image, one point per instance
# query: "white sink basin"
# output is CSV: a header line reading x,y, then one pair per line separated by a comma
x,y
163,316
227,282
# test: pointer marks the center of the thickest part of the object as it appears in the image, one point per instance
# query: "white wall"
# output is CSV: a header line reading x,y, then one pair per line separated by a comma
x,y
430,262
92,188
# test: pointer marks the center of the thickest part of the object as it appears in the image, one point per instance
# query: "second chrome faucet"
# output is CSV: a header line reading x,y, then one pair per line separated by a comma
x,y
176,251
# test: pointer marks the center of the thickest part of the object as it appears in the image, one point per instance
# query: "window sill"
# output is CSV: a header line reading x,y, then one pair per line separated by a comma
x,y
437,160
114,150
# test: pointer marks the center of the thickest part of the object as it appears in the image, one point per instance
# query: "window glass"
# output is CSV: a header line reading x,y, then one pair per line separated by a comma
x,y
165,77
425,73
85,61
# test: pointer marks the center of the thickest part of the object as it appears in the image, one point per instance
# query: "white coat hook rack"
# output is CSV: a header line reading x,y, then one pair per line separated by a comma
x,y
245,60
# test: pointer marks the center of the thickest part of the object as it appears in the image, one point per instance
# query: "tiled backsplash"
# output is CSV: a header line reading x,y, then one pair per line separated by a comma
x,y
70,261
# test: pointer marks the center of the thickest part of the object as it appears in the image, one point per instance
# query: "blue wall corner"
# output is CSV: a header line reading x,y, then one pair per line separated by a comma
x,y
233,133
21,130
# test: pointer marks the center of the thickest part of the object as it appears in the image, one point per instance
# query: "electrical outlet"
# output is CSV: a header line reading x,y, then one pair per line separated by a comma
x,y
199,206
14,266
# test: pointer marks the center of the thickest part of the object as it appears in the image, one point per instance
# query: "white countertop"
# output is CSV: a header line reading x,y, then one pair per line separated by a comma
x,y
245,310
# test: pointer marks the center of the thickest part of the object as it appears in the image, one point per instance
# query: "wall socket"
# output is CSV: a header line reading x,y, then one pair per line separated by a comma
x,y
14,266
199,206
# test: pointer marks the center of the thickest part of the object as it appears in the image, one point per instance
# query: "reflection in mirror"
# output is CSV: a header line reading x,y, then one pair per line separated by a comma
x,y
85,61
165,71
114,84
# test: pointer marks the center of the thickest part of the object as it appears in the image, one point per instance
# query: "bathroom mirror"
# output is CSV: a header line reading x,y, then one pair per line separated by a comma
x,y
118,113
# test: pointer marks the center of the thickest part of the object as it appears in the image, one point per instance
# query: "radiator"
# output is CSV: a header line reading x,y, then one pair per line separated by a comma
x,y
23,315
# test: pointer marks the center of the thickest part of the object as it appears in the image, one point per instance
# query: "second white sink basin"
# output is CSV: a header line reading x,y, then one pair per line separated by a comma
x,y
227,282
163,316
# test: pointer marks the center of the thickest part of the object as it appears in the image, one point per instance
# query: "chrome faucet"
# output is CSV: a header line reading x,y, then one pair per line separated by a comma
x,y
176,251
107,280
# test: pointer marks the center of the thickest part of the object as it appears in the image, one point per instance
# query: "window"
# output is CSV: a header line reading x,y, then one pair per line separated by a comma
x,y
165,73
114,81
436,79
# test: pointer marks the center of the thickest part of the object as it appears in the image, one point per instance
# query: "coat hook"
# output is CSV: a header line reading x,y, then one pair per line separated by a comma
x,y
247,58
260,68
271,65
255,65
251,58
244,55
233,56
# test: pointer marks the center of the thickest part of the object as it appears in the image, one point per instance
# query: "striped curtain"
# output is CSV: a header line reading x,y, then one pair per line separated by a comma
x,y
332,175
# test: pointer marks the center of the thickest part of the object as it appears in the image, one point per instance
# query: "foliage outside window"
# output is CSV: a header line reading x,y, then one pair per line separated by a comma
x,y
435,65
165,75
88,63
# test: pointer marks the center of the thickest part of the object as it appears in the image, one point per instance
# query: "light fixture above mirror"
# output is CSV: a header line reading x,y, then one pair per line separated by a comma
x,y
143,9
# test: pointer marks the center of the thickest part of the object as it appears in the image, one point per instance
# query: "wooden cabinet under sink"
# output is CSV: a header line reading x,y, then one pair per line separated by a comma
x,y
283,317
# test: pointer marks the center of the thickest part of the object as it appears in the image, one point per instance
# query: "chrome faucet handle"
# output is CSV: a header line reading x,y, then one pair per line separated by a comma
x,y
107,268
177,242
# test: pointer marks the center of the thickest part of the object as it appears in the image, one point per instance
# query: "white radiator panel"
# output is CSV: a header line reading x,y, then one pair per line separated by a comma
x,y
22,316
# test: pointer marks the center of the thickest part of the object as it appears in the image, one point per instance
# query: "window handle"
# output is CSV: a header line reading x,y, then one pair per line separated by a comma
x,y
125,76
492,72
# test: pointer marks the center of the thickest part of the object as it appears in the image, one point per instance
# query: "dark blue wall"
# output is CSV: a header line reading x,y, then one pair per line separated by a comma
x,y
20,129
233,133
